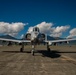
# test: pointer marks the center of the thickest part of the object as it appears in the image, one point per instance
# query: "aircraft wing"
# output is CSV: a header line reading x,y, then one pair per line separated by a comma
x,y
62,40
14,40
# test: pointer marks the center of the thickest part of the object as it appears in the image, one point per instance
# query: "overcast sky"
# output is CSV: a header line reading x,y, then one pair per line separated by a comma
x,y
54,17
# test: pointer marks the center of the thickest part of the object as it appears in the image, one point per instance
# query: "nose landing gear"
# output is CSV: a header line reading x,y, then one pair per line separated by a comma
x,y
33,50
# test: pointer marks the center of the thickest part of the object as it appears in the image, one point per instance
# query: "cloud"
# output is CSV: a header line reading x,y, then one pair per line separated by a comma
x,y
56,34
57,31
48,28
11,28
30,30
45,27
72,33
22,36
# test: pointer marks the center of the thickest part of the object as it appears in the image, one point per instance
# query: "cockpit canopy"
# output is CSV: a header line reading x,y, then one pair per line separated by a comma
x,y
35,29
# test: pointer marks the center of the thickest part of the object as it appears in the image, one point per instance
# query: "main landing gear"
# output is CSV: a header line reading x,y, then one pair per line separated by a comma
x,y
48,47
22,48
33,48
32,51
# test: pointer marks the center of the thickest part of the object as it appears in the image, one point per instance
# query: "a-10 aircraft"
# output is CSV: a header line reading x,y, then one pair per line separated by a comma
x,y
35,37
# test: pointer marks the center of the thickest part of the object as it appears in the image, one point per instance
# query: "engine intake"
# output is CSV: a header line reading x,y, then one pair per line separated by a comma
x,y
28,36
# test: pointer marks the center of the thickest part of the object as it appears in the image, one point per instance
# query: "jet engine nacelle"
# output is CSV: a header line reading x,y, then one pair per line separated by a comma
x,y
43,36
28,36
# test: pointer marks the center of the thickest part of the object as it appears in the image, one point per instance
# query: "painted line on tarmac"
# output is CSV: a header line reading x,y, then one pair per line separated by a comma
x,y
68,58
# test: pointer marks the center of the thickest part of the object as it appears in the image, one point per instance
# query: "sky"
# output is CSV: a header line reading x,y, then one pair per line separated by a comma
x,y
56,18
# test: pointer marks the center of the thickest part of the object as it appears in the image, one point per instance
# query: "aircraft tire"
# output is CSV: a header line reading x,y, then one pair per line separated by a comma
x,y
48,49
21,50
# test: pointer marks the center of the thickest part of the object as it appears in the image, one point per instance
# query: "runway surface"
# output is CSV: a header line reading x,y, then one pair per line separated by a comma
x,y
60,61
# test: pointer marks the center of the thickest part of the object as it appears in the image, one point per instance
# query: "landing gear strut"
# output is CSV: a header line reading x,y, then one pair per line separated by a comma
x,y
33,49
22,48
48,47
32,52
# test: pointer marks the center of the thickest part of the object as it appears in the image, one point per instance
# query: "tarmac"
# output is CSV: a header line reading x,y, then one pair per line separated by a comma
x,y
61,60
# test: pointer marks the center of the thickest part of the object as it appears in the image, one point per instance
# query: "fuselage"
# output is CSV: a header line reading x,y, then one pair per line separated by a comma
x,y
35,35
